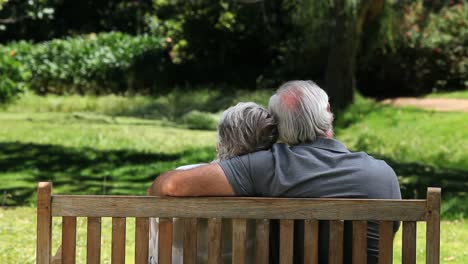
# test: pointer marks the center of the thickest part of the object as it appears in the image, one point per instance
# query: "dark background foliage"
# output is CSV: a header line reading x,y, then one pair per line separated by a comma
x,y
405,47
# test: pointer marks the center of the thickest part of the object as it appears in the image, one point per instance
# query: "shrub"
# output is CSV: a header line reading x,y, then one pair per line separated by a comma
x,y
13,75
200,120
92,64
428,54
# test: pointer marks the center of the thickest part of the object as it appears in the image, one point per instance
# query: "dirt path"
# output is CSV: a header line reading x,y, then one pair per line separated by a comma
x,y
438,104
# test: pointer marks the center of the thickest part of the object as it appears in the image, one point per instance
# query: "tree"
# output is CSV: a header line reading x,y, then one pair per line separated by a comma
x,y
349,18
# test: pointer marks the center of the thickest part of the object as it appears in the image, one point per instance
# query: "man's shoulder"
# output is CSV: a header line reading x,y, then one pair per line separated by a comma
x,y
373,163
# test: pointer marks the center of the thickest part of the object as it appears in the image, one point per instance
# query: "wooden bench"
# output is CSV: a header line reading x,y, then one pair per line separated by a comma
x,y
69,207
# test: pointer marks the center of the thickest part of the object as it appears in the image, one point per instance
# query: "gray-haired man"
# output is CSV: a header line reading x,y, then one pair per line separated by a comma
x,y
309,163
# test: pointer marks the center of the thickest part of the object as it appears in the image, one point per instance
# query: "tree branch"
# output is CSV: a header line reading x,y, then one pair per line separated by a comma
x,y
12,20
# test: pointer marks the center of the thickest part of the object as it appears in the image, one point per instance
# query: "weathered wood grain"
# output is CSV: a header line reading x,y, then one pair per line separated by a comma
x,y
235,207
286,241
118,240
165,241
433,226
335,249
385,242
141,240
262,238
311,231
359,242
44,223
190,241
262,209
409,243
93,244
239,230
68,239
214,241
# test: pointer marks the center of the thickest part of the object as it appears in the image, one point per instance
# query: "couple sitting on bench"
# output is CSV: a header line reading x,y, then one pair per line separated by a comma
x,y
306,162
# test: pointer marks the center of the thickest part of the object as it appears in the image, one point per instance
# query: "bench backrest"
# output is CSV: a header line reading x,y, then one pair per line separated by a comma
x,y
359,211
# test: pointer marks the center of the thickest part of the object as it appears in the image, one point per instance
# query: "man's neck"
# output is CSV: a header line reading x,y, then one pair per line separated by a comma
x,y
328,134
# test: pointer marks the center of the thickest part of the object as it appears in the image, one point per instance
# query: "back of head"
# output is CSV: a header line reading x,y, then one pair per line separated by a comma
x,y
302,111
245,128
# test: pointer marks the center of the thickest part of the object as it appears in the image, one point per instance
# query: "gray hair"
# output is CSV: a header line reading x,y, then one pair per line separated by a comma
x,y
302,111
245,128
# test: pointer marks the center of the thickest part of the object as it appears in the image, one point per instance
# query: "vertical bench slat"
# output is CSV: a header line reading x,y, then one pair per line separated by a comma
x,y
141,240
385,242
311,230
433,226
165,241
335,248
44,223
190,241
286,241
359,242
409,243
68,239
262,239
239,230
118,240
214,241
93,243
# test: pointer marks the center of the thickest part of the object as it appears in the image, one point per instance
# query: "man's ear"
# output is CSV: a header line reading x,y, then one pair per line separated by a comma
x,y
329,108
217,147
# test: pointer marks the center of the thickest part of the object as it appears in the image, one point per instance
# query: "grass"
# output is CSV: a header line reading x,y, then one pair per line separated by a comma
x,y
172,106
107,149
458,94
91,153
18,245
118,145
425,148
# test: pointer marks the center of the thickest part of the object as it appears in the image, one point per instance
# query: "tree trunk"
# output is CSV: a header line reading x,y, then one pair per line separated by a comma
x,y
344,45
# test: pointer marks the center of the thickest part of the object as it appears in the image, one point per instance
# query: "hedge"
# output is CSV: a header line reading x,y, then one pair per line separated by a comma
x,y
91,64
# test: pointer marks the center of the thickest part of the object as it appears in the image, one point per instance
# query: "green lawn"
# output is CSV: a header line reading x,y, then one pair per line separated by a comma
x,y
18,228
458,94
98,151
92,154
118,145
426,148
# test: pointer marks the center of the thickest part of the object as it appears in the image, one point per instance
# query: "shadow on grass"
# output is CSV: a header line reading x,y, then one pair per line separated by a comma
x,y
91,171
415,178
82,170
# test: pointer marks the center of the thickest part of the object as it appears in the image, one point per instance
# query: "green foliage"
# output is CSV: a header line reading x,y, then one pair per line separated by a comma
x,y
200,120
455,207
41,20
94,64
14,77
427,52
214,41
444,33
18,11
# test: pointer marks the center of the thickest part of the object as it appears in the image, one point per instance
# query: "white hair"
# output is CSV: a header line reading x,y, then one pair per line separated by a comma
x,y
245,128
302,111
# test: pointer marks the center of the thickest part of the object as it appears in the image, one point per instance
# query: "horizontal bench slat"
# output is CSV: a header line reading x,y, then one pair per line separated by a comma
x,y
232,207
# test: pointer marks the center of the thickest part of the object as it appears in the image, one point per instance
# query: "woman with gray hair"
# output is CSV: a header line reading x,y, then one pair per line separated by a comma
x,y
242,129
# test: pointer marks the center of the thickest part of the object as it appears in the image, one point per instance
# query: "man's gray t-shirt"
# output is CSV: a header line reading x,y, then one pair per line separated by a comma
x,y
324,168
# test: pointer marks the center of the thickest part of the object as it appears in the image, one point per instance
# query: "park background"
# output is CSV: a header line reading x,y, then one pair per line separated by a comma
x,y
102,96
